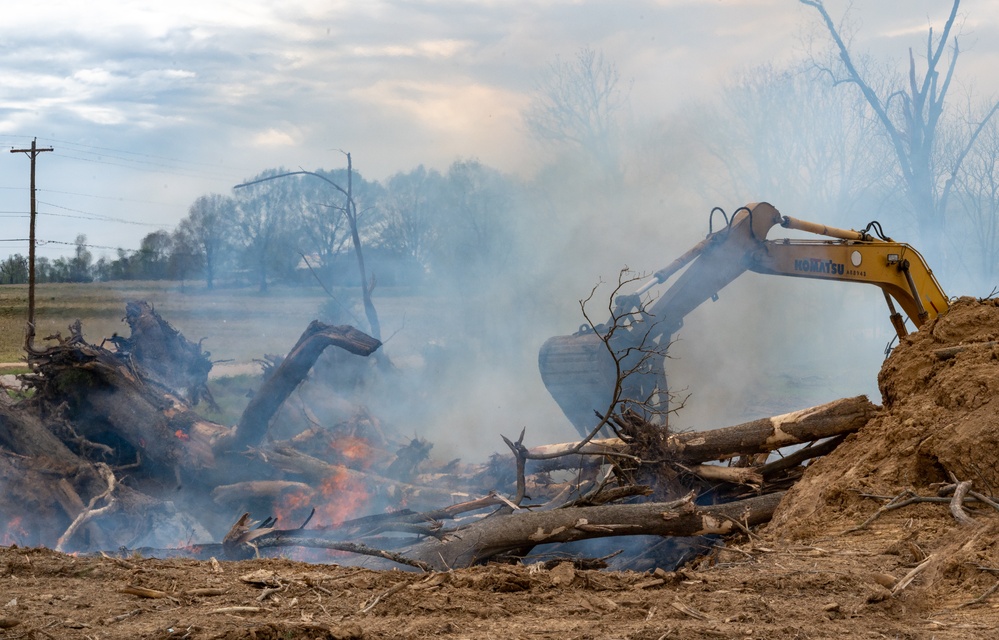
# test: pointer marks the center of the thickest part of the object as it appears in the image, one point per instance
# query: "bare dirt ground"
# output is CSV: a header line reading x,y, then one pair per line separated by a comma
x,y
818,570
841,589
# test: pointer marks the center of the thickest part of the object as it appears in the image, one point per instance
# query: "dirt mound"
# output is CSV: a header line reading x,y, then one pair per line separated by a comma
x,y
938,418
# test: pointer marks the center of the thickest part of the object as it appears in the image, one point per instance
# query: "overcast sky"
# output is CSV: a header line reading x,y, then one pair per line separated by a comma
x,y
150,104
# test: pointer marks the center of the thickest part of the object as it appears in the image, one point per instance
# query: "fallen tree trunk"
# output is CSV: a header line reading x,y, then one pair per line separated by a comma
x,y
487,538
767,434
501,533
838,417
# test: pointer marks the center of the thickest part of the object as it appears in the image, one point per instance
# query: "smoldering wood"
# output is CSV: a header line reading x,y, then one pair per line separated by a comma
x,y
117,404
259,489
319,472
100,391
475,543
164,354
156,428
290,373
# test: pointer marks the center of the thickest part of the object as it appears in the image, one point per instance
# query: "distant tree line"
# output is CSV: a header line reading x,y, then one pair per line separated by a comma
x,y
421,225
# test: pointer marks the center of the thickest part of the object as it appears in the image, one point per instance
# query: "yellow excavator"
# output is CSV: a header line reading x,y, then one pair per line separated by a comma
x,y
584,372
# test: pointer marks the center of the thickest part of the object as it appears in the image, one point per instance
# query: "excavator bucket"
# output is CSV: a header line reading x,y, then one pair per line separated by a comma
x,y
580,375
579,371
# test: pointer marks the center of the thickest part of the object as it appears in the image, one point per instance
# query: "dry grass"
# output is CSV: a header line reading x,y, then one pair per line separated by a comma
x,y
239,324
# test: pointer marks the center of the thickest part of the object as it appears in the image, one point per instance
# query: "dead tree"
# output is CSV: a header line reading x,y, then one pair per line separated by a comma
x,y
911,117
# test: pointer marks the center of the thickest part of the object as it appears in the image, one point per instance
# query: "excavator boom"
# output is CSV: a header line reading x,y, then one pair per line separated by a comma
x,y
582,374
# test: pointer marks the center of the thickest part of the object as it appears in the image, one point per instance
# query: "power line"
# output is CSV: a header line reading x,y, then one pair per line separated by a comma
x,y
134,153
179,171
92,195
77,244
89,215
174,166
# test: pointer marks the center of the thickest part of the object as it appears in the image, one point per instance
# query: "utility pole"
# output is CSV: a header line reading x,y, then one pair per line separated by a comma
x,y
32,153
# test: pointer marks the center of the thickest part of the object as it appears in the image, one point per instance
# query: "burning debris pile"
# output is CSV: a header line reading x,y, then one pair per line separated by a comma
x,y
873,538
107,452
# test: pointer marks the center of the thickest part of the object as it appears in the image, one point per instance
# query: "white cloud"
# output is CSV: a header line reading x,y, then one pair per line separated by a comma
x,y
98,114
275,138
426,48
455,108
93,76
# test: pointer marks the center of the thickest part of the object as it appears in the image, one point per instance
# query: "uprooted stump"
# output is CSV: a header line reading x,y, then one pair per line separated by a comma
x,y
95,415
164,354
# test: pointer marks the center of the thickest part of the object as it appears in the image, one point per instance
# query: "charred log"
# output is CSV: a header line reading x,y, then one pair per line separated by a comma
x,y
164,355
292,370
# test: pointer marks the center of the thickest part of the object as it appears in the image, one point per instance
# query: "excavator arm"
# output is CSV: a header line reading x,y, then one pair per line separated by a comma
x,y
898,269
581,374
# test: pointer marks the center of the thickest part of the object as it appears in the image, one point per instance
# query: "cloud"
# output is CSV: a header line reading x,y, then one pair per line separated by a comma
x,y
275,138
445,48
250,85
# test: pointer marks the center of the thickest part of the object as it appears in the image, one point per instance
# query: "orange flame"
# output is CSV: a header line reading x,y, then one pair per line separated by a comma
x,y
339,497
344,495
13,533
354,450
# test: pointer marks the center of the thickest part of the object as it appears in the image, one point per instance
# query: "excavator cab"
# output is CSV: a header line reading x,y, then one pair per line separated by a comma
x,y
621,364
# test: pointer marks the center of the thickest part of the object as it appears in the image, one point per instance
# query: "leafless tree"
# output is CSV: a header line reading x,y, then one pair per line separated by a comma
x,y
209,231
798,143
911,115
976,189
577,104
350,210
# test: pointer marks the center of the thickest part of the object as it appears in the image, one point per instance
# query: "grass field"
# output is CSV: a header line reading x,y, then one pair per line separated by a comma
x,y
238,324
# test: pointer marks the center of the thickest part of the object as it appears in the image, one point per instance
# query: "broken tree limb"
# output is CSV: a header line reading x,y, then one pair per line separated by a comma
x,y
331,476
735,475
957,501
800,456
289,374
255,489
90,512
757,436
486,538
767,434
947,353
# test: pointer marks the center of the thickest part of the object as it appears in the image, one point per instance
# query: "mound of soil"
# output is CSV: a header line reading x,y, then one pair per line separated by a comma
x,y
938,423
939,418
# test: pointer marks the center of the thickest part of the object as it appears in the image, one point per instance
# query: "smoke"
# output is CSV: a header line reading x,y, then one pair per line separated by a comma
x,y
463,345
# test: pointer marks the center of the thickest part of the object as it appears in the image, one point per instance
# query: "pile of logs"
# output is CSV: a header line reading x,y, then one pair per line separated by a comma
x,y
103,450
